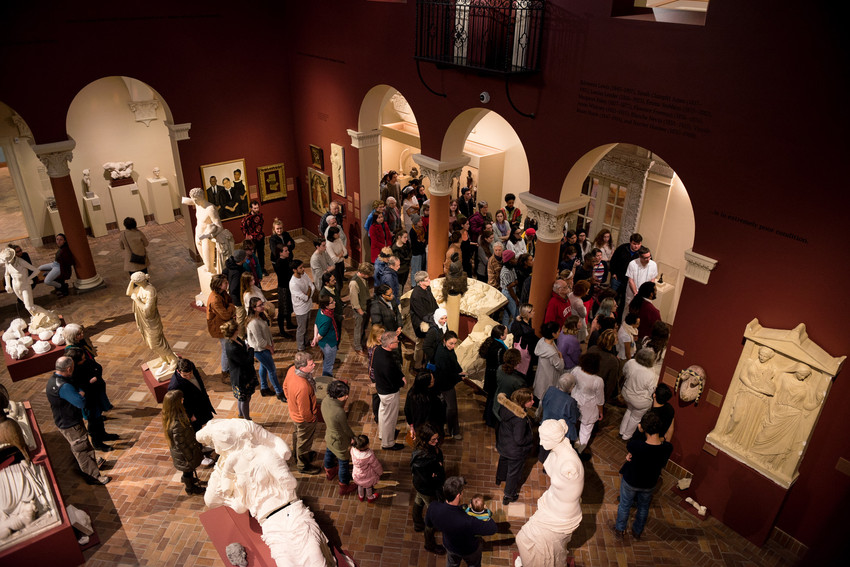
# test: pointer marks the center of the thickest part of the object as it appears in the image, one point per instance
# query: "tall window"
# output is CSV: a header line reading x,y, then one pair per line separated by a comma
x,y
604,210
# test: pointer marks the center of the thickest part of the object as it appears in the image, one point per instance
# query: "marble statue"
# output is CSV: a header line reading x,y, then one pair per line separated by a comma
x,y
252,475
779,432
119,169
149,324
43,320
19,276
774,400
543,540
750,404
40,347
690,383
156,173
16,350
58,336
27,506
17,330
86,181
207,229
224,247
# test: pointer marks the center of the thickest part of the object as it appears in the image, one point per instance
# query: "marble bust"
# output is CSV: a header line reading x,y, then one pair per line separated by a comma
x,y
156,173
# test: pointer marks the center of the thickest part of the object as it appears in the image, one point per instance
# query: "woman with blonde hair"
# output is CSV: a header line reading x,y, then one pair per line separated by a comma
x,y
186,452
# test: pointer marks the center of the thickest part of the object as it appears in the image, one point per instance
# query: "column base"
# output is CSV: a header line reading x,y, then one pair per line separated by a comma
x,y
88,284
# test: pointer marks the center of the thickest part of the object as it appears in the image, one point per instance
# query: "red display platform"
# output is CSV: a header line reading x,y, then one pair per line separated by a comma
x,y
224,526
58,546
157,388
34,364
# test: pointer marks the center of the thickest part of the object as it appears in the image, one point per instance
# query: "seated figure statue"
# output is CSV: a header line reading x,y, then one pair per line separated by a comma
x,y
252,475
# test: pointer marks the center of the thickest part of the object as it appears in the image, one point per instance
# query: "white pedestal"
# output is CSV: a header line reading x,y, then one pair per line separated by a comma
x,y
127,203
664,295
54,220
94,211
204,278
159,200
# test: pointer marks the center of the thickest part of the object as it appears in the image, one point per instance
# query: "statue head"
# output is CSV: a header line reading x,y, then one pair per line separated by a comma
x,y
156,173
197,195
802,371
7,255
139,278
765,354
552,432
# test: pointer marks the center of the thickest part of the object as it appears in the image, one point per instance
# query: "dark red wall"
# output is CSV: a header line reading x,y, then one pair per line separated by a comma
x,y
770,150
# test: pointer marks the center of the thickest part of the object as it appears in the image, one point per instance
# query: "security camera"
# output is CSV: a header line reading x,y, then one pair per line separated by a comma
x,y
484,97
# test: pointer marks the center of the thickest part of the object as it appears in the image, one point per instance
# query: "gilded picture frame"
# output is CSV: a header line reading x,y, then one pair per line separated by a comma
x,y
271,180
318,187
317,155
230,194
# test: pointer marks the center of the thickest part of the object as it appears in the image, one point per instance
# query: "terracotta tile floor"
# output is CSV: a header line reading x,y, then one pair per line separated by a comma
x,y
144,518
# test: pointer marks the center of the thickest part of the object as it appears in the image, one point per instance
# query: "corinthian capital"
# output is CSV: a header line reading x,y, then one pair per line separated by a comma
x,y
550,216
441,173
55,157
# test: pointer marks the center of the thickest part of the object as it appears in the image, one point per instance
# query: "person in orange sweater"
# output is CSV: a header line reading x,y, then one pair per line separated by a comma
x,y
300,391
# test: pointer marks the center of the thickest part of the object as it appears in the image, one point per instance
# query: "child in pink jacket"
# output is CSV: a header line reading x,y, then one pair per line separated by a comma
x,y
367,469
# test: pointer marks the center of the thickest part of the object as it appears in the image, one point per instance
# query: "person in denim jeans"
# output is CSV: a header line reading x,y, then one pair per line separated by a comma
x,y
260,339
644,462
326,333
508,283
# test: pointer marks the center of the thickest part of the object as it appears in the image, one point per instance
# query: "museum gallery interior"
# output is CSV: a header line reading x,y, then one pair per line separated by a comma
x,y
701,125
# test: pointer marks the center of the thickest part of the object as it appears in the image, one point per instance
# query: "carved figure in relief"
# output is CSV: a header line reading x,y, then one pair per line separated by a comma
x,y
207,229
777,435
692,381
251,475
543,540
149,323
750,404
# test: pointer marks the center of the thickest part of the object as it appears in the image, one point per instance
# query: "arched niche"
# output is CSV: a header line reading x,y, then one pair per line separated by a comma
x,y
122,119
497,158
27,174
631,189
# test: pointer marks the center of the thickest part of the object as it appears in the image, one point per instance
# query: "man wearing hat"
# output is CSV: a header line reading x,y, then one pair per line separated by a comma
x,y
508,283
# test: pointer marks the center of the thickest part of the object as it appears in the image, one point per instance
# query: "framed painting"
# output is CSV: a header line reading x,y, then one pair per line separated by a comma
x,y
338,169
317,154
272,182
320,196
224,187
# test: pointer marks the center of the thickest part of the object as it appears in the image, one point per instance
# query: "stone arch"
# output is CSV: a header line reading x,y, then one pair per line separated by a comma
x,y
513,175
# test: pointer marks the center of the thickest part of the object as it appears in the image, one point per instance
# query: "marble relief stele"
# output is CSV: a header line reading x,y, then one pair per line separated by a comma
x,y
773,403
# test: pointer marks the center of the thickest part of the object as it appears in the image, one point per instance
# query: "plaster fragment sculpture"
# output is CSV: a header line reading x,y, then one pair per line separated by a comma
x,y
467,351
16,350
543,540
149,324
58,337
41,347
252,475
17,329
207,229
43,320
692,380
119,169
236,554
45,335
26,341
774,400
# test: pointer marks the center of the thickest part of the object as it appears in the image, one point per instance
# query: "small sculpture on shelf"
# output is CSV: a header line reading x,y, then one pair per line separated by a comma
x,y
692,381
156,173
149,323
86,182
119,169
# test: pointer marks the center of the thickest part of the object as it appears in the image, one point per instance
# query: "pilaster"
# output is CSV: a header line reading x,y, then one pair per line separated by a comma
x,y
55,156
550,216
698,267
178,132
440,173
368,139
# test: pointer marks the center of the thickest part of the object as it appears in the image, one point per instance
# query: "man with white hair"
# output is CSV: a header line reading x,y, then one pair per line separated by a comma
x,y
557,404
389,379
558,308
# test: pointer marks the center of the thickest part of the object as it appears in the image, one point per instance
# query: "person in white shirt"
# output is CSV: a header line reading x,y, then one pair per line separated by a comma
x,y
641,270
301,289
627,337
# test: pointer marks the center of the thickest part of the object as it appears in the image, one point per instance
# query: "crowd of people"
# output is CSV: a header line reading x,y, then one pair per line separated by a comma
x,y
600,343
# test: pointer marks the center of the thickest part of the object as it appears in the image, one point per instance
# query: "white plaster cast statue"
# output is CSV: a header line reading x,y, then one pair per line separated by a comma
x,y
236,554
149,324
224,247
17,329
40,347
251,475
779,433
750,403
692,380
86,181
119,169
18,277
156,173
543,540
206,230
58,336
27,506
43,320
467,351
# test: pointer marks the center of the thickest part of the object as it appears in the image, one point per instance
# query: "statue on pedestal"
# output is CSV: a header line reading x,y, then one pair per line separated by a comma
x,y
251,475
149,324
207,231
86,181
156,173
119,169
543,540
18,279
